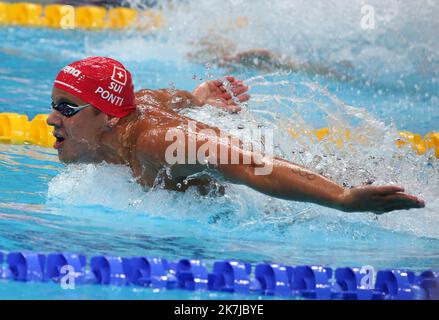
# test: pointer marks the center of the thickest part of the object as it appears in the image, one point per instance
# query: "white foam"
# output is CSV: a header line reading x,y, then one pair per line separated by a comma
x,y
403,42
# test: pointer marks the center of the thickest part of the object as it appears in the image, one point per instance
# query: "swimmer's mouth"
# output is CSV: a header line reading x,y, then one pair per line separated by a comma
x,y
59,140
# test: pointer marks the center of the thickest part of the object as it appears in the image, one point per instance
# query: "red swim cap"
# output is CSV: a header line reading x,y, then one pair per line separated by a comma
x,y
100,81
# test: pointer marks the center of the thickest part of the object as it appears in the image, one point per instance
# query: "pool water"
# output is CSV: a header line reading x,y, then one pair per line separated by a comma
x,y
99,209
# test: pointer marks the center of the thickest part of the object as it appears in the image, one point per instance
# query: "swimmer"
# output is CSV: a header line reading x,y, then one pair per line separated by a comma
x,y
98,117
222,52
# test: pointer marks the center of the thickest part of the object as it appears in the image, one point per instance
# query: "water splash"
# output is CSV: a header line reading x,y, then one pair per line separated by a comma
x,y
319,32
369,156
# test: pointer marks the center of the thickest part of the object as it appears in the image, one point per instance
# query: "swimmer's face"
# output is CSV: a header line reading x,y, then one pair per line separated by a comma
x,y
77,137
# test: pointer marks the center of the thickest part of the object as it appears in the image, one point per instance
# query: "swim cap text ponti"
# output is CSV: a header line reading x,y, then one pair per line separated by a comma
x,y
102,82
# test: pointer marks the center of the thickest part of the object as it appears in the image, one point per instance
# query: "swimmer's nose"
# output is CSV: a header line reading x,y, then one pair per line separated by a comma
x,y
54,120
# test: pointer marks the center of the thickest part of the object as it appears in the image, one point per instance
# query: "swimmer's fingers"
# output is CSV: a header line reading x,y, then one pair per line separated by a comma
x,y
387,190
216,83
231,79
239,90
402,199
228,105
219,82
399,201
231,96
244,97
394,198
239,99
236,92
379,199
394,207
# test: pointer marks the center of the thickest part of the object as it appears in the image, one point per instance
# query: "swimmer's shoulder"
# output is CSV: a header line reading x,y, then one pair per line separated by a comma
x,y
146,97
158,95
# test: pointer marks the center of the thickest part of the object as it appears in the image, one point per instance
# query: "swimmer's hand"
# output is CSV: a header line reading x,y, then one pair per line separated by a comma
x,y
215,94
379,199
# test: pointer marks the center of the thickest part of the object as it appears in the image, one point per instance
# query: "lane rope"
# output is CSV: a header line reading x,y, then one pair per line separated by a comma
x,y
233,276
61,16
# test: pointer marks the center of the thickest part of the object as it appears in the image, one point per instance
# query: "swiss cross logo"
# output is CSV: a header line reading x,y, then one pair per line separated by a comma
x,y
119,76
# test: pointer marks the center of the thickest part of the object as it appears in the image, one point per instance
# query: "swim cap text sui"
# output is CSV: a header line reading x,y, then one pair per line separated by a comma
x,y
102,82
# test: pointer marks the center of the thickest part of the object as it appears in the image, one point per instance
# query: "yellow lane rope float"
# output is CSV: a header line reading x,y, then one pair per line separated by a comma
x,y
17,129
83,17
418,143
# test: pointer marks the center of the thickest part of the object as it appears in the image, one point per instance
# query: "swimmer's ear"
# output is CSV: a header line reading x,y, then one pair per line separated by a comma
x,y
112,121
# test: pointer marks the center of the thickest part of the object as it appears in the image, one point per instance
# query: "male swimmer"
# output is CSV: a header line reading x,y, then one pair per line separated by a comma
x,y
222,52
97,117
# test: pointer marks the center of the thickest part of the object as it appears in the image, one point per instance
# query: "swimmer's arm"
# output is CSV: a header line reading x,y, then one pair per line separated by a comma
x,y
253,57
262,57
210,92
273,176
292,182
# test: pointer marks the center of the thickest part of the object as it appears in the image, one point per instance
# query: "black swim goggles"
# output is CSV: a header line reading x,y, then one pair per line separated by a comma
x,y
68,109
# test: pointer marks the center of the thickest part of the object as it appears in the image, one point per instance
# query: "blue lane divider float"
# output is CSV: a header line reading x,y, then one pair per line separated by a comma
x,y
56,262
231,276
348,283
110,270
191,275
274,279
25,266
271,279
312,282
151,272
428,281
